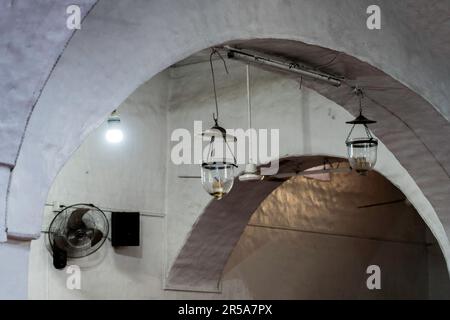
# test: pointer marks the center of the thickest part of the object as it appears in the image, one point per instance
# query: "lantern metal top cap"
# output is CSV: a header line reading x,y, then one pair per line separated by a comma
x,y
361,120
218,165
362,142
218,132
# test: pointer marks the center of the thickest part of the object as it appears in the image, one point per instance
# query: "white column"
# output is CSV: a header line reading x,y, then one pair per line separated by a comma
x,y
14,269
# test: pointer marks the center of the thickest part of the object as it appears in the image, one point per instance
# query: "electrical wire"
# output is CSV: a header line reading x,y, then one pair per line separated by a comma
x,y
329,62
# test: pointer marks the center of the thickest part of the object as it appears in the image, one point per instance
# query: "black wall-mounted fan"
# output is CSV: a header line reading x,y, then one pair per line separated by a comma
x,y
76,231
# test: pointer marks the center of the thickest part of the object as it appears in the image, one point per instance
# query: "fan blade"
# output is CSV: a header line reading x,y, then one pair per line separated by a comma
x,y
274,179
312,172
97,237
285,175
76,219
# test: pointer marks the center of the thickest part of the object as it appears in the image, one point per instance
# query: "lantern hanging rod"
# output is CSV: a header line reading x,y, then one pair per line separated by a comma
x,y
295,68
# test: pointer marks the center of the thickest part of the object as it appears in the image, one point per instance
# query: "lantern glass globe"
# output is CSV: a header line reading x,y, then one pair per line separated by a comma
x,y
362,154
217,178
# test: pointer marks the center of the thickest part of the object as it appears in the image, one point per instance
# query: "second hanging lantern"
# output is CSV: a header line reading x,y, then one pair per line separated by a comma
x,y
361,145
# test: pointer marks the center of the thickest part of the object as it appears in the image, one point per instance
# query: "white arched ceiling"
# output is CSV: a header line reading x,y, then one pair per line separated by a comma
x,y
124,43
34,35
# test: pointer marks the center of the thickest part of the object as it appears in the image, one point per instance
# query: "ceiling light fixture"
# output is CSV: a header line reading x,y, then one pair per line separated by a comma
x,y
250,172
217,172
361,145
114,133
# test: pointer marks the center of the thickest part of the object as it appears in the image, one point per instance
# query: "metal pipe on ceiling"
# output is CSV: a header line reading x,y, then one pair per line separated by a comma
x,y
248,57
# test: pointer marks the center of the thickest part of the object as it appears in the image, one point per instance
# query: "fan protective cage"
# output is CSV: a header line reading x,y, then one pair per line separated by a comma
x,y
82,238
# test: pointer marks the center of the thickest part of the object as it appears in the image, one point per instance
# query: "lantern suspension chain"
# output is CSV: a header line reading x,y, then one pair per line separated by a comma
x,y
360,94
350,133
211,149
213,52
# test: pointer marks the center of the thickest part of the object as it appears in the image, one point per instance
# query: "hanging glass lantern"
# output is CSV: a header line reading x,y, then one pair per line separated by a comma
x,y
217,170
361,145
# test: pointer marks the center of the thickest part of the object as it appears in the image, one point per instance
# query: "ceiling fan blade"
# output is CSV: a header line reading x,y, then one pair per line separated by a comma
x,y
273,179
285,175
312,172
76,219
96,237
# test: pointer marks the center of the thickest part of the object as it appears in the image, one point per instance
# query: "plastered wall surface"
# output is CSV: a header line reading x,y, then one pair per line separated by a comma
x,y
309,266
14,264
34,35
111,172
130,176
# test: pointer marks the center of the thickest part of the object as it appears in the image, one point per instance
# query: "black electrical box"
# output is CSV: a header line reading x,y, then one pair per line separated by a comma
x,y
125,229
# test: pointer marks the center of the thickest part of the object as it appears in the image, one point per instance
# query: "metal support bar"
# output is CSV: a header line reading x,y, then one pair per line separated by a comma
x,y
144,213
